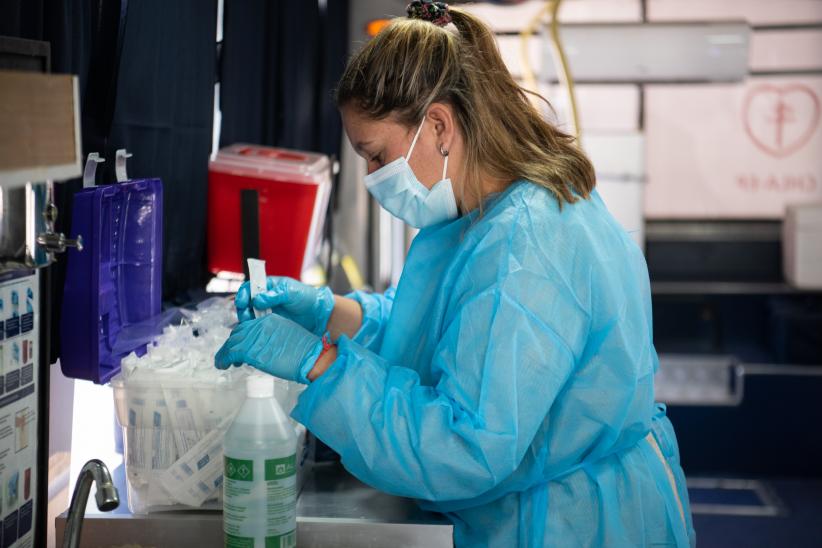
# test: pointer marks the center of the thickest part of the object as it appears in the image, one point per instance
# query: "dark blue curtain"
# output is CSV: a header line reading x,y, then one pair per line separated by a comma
x,y
279,63
164,116
160,94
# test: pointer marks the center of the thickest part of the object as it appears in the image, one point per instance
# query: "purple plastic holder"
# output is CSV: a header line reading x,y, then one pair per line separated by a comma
x,y
116,280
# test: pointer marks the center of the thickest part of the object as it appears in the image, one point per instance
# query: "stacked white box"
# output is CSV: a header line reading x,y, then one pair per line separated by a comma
x,y
802,245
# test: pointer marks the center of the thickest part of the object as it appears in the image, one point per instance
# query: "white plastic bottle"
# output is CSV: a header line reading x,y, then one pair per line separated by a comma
x,y
260,475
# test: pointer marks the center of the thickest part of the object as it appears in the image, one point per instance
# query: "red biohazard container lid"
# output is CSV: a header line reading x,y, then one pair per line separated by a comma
x,y
271,163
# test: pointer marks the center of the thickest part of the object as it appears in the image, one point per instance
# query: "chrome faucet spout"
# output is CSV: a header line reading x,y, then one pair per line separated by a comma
x,y
107,498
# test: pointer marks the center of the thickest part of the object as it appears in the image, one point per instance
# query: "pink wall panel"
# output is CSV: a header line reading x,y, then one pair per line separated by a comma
x,y
516,17
612,107
795,49
733,151
757,12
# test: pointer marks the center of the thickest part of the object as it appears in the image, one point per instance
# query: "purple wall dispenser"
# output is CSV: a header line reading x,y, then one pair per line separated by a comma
x,y
116,280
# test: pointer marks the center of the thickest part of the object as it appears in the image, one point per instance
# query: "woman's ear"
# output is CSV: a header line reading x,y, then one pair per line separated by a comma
x,y
442,116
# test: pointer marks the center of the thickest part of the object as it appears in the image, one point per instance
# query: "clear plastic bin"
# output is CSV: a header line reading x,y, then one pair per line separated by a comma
x,y
173,434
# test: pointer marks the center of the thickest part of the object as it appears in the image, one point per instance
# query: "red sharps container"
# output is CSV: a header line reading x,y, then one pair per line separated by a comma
x,y
292,191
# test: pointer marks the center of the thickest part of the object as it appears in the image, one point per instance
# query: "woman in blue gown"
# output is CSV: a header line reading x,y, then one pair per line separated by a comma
x,y
507,382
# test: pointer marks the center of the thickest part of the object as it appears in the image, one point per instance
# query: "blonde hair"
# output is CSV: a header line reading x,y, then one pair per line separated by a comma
x,y
413,63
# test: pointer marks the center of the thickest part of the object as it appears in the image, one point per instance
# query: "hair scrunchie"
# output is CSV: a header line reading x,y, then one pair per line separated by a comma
x,y
428,10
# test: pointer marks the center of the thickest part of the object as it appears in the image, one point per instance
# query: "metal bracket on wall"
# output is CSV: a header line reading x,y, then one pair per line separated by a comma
x,y
90,171
120,158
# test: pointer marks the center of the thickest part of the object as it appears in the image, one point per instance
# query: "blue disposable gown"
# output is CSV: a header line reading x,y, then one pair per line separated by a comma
x,y
508,383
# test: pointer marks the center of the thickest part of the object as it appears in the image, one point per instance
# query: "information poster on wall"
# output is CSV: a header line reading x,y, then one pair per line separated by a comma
x,y
18,409
735,151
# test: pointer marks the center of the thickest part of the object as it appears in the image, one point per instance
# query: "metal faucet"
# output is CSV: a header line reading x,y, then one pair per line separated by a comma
x,y
107,499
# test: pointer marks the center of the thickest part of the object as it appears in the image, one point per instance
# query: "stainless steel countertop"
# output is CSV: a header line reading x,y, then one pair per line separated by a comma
x,y
333,509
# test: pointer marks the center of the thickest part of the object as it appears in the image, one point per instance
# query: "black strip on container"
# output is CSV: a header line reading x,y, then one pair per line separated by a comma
x,y
250,225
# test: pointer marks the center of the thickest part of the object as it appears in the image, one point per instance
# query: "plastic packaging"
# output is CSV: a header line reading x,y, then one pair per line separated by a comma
x,y
260,487
167,466
174,407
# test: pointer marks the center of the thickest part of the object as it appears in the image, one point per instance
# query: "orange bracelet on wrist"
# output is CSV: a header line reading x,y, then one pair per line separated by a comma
x,y
327,344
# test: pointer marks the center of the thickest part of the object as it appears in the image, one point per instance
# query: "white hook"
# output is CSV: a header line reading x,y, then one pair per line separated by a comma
x,y
91,169
120,164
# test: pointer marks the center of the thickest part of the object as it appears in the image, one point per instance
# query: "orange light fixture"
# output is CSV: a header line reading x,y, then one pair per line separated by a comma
x,y
373,27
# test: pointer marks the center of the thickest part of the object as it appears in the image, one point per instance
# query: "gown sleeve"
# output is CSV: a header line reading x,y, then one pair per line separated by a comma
x,y
501,363
376,309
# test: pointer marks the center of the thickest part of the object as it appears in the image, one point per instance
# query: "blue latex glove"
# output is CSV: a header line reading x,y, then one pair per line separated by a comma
x,y
308,306
274,345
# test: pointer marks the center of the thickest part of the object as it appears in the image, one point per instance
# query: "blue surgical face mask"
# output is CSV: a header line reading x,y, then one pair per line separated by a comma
x,y
399,191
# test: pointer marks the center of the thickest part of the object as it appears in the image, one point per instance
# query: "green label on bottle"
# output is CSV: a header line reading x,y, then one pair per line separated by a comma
x,y
276,469
288,540
238,469
238,542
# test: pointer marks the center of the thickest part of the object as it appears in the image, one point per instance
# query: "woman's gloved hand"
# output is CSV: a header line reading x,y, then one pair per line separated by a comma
x,y
272,344
308,306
